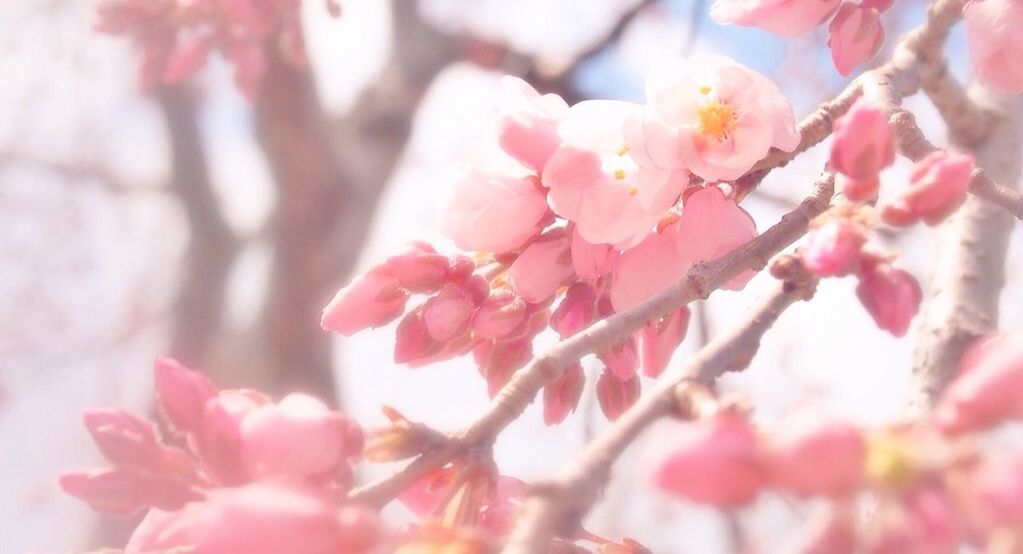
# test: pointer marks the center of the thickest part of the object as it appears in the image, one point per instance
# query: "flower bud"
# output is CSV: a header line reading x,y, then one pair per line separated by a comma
x,y
891,296
370,300
937,187
413,341
446,315
128,440
615,395
817,458
419,268
855,36
182,394
499,360
659,339
220,440
591,261
576,310
833,249
863,146
543,267
124,491
987,390
561,396
503,315
622,359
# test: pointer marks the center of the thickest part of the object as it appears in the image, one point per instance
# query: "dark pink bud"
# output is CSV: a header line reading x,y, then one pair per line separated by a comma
x,y
937,187
833,249
891,296
499,360
182,394
714,461
419,268
413,340
859,190
446,315
576,311
622,359
658,340
561,396
128,440
897,213
817,458
502,315
615,395
987,390
863,143
370,300
124,491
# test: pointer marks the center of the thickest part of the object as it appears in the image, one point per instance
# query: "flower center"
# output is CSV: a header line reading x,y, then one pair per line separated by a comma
x,y
619,165
716,120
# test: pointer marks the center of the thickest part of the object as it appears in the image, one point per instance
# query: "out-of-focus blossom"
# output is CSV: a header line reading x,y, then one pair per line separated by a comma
x,y
498,360
996,47
125,490
834,534
832,248
561,396
924,521
891,296
712,116
412,340
543,267
988,388
219,442
817,457
712,225
648,269
937,187
714,461
863,145
131,441
616,395
995,494
781,17
372,299
527,122
855,36
658,340
596,183
182,394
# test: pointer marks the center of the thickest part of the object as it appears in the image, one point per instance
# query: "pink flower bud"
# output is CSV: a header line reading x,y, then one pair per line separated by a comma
x,y
993,39
370,300
987,391
527,123
658,340
576,311
561,396
785,17
863,143
182,394
299,436
835,534
503,315
859,190
856,36
891,296
817,457
412,341
124,491
622,359
446,315
591,261
543,267
714,461
419,268
615,395
937,187
925,522
128,440
833,249
220,440
498,360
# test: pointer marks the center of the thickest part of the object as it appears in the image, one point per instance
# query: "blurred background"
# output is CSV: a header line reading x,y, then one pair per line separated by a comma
x,y
186,220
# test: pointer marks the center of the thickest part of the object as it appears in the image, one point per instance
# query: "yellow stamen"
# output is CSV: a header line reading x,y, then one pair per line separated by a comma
x,y
705,89
623,150
619,174
716,120
633,191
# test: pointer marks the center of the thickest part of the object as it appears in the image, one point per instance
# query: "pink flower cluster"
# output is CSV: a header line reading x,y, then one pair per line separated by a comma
x,y
855,33
234,471
176,36
575,213
933,489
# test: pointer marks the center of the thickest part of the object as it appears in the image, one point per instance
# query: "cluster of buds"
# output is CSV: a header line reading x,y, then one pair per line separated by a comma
x,y
176,36
934,486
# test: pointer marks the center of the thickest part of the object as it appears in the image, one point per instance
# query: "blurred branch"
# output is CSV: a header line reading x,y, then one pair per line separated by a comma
x,y
75,172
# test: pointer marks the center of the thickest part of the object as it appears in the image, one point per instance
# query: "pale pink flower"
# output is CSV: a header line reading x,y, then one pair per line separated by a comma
x,y
711,226
833,248
561,396
714,461
182,394
712,116
937,187
527,122
595,182
372,299
260,518
543,267
987,391
648,269
863,144
995,43
299,437
658,340
781,17
856,36
814,457
891,296
591,261
496,205
616,395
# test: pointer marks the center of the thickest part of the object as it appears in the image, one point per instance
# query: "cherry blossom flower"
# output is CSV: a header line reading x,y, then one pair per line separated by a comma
x,y
527,122
996,47
815,457
986,392
856,36
781,17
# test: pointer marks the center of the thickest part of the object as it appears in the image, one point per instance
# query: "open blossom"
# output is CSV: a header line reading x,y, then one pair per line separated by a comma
x,y
987,390
995,43
527,122
596,183
712,116
856,36
937,187
781,17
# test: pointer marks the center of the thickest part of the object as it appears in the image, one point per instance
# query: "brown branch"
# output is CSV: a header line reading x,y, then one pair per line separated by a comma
x,y
968,123
523,386
555,508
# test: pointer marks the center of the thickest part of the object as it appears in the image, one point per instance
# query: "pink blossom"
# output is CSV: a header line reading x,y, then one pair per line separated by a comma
x,y
543,267
527,122
996,494
863,144
987,390
781,17
996,47
658,340
496,205
591,261
816,457
714,461
937,187
595,182
299,436
129,440
926,524
856,36
891,296
835,534
260,518
576,311
616,395
561,396
711,226
649,268
622,359
833,248
419,268
125,490
501,316
498,360
220,439
712,116
412,340
447,314
182,394
370,300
